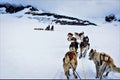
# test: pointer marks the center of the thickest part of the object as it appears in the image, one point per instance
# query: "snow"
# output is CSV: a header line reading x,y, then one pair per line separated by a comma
x,y
26,53
2,10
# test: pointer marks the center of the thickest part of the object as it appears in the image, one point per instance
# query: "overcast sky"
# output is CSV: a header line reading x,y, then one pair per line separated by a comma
x,y
74,7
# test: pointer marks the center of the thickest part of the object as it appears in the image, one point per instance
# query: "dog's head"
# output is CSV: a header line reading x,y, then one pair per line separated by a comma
x,y
76,34
91,54
70,35
81,34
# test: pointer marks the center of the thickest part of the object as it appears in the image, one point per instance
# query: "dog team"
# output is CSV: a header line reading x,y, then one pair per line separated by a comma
x,y
103,62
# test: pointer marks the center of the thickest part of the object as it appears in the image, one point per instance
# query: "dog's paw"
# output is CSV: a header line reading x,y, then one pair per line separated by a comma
x,y
80,56
69,74
76,77
68,78
104,76
97,77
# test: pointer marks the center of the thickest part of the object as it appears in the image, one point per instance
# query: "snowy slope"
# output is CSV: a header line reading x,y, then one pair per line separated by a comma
x,y
27,53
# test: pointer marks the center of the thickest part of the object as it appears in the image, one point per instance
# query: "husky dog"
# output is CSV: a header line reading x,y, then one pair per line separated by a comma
x,y
103,62
81,35
77,35
84,46
74,45
70,62
70,36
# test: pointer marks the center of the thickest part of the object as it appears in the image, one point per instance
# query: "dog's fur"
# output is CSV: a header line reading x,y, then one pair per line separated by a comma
x,y
70,36
73,45
70,61
103,62
81,35
84,47
77,35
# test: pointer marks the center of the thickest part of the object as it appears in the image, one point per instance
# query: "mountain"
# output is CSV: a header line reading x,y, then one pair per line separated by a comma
x,y
13,8
51,17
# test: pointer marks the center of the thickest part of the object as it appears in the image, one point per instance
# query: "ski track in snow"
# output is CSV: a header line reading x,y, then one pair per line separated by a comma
x,y
26,53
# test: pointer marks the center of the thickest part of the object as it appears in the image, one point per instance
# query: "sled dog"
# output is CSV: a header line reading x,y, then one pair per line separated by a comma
x,y
81,35
73,45
70,36
77,35
103,62
70,62
84,46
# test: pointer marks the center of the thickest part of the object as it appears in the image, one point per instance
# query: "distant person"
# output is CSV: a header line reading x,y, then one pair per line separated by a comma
x,y
52,28
48,27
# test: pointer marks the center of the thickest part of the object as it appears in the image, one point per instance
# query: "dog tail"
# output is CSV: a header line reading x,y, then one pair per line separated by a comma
x,y
115,68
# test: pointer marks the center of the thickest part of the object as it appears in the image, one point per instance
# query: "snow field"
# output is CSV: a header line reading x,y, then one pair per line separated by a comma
x,y
27,53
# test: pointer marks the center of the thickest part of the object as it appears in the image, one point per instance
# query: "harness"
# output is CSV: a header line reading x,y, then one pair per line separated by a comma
x,y
84,44
104,57
74,44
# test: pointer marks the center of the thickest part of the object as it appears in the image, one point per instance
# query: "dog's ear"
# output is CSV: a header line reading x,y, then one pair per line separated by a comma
x,y
95,50
91,50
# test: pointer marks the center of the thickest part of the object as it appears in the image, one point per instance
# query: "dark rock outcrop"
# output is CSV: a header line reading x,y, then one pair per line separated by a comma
x,y
73,21
58,19
111,18
12,8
